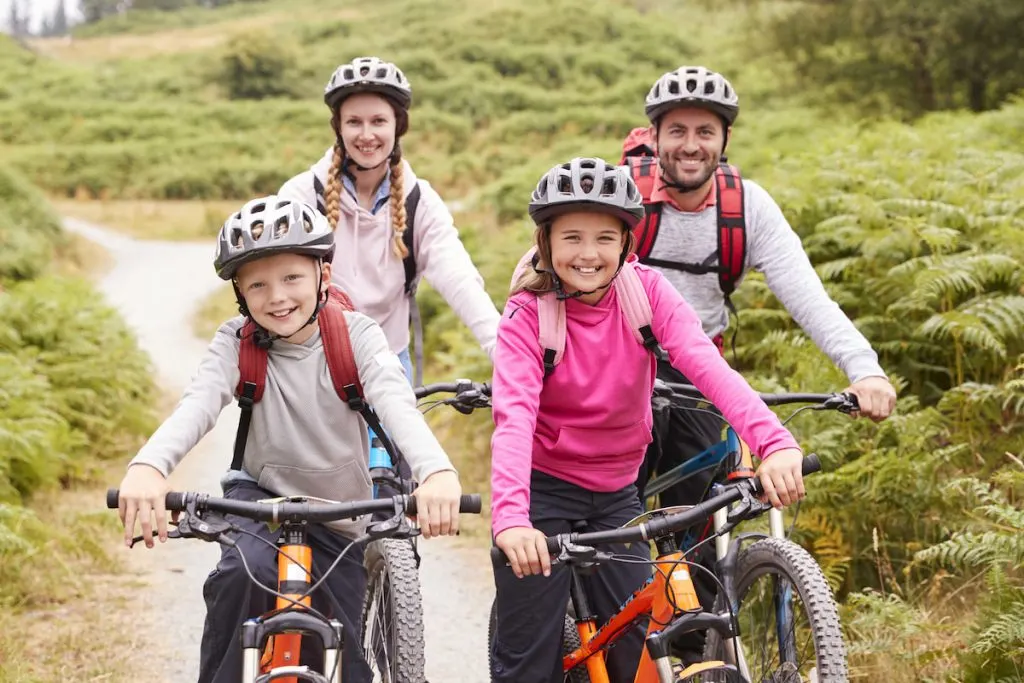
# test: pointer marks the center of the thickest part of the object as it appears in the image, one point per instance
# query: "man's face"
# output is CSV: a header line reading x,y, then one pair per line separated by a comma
x,y
690,144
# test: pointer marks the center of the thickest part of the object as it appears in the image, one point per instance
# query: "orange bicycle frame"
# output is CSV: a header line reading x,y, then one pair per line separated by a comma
x,y
668,593
294,571
669,590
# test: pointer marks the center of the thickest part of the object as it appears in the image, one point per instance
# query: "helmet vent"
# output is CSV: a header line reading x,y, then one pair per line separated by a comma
x,y
256,229
587,183
280,227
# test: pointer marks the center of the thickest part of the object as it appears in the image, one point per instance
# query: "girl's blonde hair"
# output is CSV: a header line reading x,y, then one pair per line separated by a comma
x,y
332,193
530,280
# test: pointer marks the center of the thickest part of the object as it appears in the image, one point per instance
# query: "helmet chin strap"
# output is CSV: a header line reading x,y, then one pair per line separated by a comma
x,y
264,338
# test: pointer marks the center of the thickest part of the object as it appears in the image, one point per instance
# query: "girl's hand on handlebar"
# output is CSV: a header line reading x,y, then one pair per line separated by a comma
x,y
437,504
526,549
781,477
142,496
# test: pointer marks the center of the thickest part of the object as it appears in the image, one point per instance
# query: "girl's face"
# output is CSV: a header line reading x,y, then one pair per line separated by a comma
x,y
585,252
281,293
366,124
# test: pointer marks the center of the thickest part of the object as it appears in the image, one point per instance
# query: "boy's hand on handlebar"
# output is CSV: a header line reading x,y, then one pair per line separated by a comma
x,y
526,549
781,476
142,496
437,504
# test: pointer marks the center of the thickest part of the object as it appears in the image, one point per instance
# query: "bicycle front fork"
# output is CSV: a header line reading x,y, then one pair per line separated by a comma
x,y
255,633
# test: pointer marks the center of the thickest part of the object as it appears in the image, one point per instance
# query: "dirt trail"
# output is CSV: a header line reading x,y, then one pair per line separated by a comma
x,y
156,286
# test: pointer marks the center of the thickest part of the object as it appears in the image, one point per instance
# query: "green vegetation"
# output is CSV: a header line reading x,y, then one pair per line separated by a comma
x,y
75,394
917,229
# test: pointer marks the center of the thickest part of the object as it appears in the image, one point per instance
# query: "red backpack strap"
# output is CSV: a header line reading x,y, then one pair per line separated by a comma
x,y
341,361
252,378
732,229
645,172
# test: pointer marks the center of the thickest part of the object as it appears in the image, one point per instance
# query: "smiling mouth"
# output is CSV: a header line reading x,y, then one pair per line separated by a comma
x,y
281,315
368,151
589,270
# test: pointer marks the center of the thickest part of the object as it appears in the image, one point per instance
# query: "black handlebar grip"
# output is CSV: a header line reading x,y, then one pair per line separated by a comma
x,y
175,500
469,503
499,559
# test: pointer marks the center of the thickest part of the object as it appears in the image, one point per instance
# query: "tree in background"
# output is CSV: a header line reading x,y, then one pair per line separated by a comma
x,y
17,20
905,56
256,66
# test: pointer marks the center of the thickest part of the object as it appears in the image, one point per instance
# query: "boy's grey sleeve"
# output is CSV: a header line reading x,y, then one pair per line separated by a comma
x,y
211,389
387,390
776,251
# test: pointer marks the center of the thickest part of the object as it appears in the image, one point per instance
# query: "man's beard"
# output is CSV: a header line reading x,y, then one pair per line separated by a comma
x,y
672,181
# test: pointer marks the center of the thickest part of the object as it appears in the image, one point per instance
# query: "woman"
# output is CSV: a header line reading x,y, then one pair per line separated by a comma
x,y
368,191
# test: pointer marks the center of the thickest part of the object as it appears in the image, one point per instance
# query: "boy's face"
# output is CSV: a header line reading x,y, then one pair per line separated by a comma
x,y
281,293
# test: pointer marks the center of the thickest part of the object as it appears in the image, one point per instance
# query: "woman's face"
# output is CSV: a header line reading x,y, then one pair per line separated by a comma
x,y
585,252
366,124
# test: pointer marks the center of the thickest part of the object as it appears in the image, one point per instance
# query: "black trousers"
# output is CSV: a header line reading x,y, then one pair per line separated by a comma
x,y
531,611
679,435
231,597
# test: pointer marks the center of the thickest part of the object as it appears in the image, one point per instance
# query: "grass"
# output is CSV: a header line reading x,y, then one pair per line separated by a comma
x,y
54,638
151,219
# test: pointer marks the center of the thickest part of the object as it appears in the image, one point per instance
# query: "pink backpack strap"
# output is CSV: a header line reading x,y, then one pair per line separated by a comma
x,y
635,305
551,316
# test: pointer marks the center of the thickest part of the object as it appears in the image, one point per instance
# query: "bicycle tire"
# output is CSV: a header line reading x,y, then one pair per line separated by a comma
x,y
570,642
784,559
391,625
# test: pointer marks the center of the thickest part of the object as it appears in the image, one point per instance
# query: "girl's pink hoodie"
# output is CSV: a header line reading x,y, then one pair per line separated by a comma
x,y
589,422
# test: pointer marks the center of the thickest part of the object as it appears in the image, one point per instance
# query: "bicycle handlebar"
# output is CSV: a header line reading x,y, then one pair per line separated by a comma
x,y
460,386
292,510
660,526
844,402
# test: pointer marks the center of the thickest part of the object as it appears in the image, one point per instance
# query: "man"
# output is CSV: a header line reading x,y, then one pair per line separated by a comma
x,y
691,111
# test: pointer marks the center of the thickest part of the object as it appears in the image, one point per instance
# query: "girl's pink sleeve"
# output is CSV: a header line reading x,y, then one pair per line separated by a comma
x,y
678,329
516,386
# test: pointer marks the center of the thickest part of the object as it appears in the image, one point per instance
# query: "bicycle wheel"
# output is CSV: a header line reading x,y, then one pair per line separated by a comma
x,y
392,620
788,621
570,642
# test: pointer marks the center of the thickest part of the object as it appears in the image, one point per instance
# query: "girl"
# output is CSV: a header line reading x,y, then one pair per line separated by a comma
x,y
277,254
567,448
362,185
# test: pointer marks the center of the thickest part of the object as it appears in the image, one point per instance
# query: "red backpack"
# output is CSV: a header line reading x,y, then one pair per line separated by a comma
x,y
638,153
341,362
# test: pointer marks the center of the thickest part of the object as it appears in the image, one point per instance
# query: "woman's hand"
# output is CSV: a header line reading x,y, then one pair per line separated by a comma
x,y
143,492
526,550
437,504
782,477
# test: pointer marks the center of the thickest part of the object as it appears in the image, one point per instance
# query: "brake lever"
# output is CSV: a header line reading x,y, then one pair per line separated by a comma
x,y
747,507
393,527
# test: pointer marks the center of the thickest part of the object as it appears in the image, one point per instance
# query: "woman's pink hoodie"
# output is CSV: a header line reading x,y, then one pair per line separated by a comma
x,y
589,422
